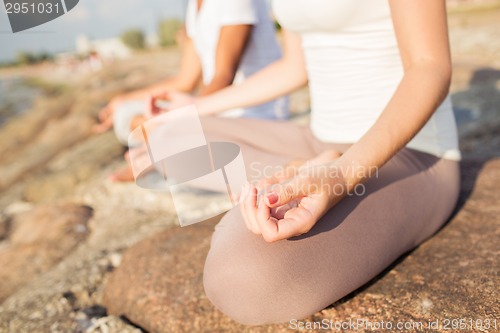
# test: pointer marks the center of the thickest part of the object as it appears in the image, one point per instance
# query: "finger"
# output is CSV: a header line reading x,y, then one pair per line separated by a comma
x,y
151,102
108,122
292,169
150,106
249,208
243,195
297,221
268,225
252,204
165,95
266,182
105,112
282,193
99,128
102,127
279,212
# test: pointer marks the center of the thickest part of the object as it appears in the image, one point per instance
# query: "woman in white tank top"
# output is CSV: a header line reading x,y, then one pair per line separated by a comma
x,y
377,169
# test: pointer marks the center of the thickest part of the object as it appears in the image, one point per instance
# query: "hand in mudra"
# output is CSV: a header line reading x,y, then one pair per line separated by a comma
x,y
106,115
291,203
175,100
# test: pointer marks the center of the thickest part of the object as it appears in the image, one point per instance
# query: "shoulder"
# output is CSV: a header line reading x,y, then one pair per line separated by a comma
x,y
237,11
237,5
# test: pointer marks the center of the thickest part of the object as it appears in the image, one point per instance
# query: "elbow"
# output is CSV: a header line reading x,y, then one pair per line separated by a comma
x,y
440,71
302,78
295,72
188,87
222,79
185,86
449,75
445,74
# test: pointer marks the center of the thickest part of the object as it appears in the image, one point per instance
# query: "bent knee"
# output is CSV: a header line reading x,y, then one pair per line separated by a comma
x,y
251,281
233,291
251,294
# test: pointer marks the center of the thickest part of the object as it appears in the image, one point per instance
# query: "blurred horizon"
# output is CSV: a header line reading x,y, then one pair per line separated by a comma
x,y
96,19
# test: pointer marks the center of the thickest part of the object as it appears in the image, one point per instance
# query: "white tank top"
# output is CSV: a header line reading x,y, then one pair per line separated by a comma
x,y
354,68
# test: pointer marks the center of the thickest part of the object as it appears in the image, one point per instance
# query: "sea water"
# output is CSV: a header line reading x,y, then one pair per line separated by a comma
x,y
15,97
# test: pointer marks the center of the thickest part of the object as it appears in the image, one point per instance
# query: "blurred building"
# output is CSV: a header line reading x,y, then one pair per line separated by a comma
x,y
111,48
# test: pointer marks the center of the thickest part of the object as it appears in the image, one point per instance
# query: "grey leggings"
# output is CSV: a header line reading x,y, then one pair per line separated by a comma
x,y
255,282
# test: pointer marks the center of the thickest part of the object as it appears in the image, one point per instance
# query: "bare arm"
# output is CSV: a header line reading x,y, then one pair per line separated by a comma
x,y
422,36
185,80
277,79
230,49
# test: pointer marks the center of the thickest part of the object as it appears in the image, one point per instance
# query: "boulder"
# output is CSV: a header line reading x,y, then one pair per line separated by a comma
x,y
454,275
38,240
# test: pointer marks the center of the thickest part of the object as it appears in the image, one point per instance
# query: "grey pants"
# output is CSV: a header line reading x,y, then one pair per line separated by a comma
x,y
255,282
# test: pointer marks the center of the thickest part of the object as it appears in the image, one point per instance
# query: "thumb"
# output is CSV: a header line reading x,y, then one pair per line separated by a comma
x,y
103,114
283,193
153,100
150,106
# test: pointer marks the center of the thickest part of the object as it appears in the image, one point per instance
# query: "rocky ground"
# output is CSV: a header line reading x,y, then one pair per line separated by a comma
x,y
81,254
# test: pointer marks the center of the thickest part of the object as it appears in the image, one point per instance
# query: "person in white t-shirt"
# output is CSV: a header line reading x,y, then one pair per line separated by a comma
x,y
226,42
208,26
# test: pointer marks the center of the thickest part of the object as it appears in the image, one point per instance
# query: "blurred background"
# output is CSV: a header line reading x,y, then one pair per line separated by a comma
x,y
92,18
63,227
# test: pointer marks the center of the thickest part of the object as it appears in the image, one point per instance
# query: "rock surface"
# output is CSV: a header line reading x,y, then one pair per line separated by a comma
x,y
66,298
158,285
38,240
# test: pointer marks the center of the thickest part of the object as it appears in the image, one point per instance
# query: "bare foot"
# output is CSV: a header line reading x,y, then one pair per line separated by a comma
x,y
123,175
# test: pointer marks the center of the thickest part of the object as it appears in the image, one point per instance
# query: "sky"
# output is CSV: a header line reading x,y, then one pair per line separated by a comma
x,y
94,18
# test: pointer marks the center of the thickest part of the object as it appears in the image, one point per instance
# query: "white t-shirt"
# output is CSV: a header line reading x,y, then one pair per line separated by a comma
x,y
262,48
354,68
